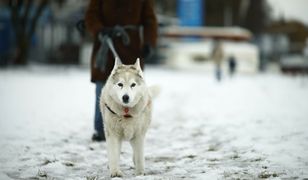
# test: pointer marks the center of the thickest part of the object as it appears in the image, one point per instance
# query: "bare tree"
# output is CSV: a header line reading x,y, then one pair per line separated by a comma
x,y
24,25
257,16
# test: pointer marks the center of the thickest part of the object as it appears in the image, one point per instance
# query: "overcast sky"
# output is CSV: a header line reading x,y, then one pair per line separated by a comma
x,y
290,9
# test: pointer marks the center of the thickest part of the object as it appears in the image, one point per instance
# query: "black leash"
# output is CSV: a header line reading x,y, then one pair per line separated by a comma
x,y
107,43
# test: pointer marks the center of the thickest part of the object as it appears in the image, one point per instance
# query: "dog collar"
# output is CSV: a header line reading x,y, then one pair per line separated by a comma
x,y
127,116
126,110
110,109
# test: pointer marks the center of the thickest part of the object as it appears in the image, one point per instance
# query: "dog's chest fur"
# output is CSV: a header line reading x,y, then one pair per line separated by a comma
x,y
126,128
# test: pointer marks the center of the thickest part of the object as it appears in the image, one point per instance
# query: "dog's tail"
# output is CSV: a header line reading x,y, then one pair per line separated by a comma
x,y
154,91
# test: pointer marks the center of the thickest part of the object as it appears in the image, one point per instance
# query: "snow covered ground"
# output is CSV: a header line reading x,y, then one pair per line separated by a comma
x,y
247,127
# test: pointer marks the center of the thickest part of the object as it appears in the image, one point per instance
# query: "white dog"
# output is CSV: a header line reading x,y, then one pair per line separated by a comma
x,y
126,105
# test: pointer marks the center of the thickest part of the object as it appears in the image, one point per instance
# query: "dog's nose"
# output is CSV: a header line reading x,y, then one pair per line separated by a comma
x,y
125,98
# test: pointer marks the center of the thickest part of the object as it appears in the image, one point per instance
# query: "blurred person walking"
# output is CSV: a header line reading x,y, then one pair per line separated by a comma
x,y
132,27
217,56
232,65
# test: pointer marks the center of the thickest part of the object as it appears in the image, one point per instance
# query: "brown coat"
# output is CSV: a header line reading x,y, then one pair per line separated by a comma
x,y
109,13
218,53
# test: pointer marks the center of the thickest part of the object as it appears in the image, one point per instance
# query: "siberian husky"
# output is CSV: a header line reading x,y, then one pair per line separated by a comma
x,y
126,105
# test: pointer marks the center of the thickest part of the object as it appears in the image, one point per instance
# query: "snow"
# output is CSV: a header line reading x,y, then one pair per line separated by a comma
x,y
246,127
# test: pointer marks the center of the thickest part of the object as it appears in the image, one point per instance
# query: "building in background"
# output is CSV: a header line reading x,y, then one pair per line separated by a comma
x,y
275,38
189,44
56,39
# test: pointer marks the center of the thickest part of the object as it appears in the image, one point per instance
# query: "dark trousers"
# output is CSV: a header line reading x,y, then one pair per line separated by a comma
x,y
218,73
98,119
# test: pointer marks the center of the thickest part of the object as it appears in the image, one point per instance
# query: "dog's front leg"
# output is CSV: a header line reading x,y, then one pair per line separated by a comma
x,y
113,150
138,156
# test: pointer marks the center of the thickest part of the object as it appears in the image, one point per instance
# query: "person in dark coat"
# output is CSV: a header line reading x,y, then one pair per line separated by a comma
x,y
232,65
105,17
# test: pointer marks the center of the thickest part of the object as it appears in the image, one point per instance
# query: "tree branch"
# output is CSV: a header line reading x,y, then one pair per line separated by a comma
x,y
15,5
24,18
36,16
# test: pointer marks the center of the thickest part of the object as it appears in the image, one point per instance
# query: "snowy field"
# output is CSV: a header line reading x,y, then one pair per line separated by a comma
x,y
247,127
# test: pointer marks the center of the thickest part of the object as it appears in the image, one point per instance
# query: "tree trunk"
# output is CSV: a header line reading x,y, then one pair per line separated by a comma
x,y
22,51
24,26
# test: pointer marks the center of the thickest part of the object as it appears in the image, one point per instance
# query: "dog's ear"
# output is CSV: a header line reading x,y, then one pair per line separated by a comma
x,y
137,64
138,67
117,63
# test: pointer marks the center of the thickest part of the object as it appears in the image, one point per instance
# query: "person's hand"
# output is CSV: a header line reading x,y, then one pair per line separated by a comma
x,y
147,51
107,31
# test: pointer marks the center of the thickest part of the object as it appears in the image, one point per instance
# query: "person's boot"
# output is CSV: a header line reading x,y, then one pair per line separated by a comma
x,y
98,137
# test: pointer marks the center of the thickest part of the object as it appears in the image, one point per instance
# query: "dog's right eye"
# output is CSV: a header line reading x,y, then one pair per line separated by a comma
x,y
120,84
133,85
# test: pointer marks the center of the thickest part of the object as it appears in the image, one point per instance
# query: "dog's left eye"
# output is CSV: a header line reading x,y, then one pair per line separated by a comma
x,y
133,85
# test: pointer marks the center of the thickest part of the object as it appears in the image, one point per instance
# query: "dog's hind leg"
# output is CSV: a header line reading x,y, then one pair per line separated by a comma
x,y
113,150
138,156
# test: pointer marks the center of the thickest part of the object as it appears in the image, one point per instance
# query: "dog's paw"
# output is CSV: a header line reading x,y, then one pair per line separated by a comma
x,y
139,173
116,173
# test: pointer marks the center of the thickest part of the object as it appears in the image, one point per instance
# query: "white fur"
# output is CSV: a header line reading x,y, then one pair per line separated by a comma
x,y
119,128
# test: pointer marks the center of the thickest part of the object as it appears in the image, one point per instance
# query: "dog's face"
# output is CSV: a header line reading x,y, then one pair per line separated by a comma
x,y
127,83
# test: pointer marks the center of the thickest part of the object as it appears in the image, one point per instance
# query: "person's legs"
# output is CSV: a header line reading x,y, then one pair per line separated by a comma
x,y
218,73
98,120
